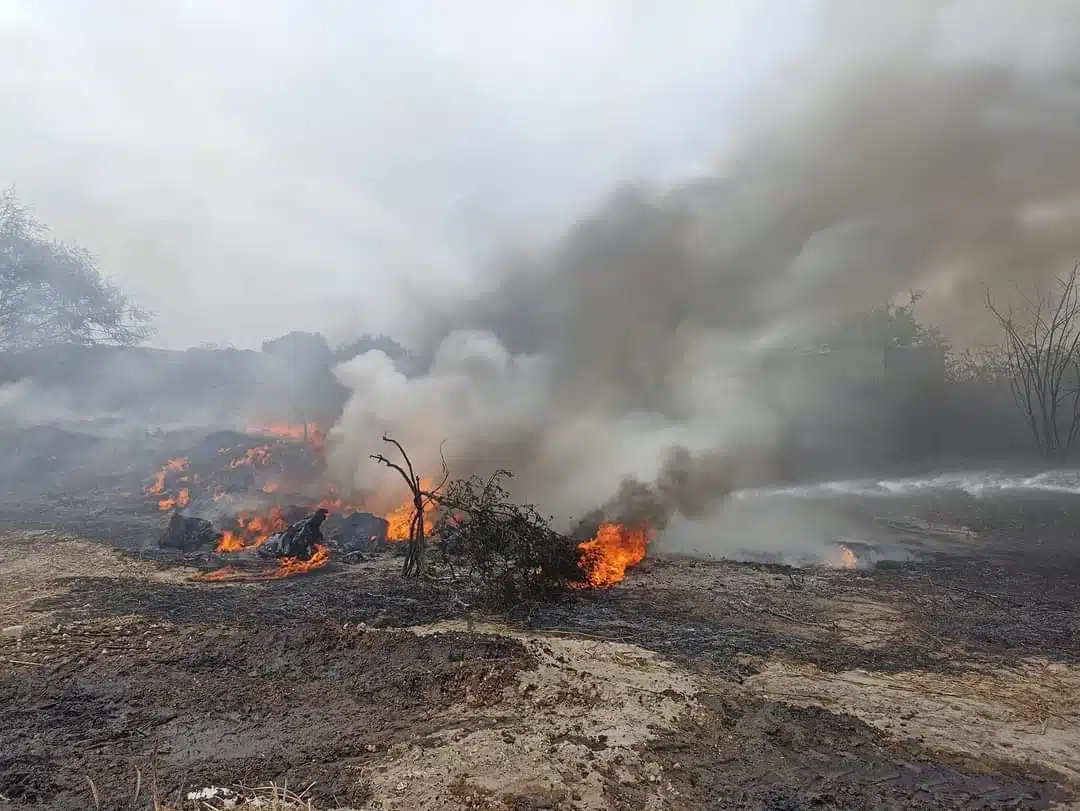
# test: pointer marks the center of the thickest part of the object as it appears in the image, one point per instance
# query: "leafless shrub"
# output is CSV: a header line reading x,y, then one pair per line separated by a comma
x,y
416,554
499,553
1042,348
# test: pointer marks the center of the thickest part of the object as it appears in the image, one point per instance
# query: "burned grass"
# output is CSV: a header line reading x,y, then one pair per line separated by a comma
x,y
756,753
931,683
1002,609
191,706
375,595
727,632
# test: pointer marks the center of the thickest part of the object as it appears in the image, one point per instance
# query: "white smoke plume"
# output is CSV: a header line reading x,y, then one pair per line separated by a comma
x,y
924,145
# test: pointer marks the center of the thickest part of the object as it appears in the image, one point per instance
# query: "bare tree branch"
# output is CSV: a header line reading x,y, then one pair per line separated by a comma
x,y
416,556
1043,355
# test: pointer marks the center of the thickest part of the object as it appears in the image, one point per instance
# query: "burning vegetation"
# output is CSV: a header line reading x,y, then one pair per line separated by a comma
x,y
843,558
264,495
613,550
272,475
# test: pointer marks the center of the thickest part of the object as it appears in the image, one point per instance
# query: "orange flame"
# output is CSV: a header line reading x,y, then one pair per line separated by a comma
x,y
333,502
844,559
172,466
254,530
287,567
182,499
259,456
399,520
304,432
615,549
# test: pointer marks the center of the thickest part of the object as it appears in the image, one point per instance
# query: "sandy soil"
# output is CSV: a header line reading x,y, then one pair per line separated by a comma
x,y
692,685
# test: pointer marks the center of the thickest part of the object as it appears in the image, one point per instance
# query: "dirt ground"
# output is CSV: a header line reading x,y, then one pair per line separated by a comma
x,y
952,681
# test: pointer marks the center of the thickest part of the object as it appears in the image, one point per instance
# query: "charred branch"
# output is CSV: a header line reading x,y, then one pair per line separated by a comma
x,y
416,555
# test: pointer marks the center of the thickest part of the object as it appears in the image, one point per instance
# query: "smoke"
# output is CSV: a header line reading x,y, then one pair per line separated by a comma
x,y
927,145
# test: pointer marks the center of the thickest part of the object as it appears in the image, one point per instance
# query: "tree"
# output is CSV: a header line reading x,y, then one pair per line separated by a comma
x,y
367,343
1042,350
52,293
888,325
305,379
416,555
300,348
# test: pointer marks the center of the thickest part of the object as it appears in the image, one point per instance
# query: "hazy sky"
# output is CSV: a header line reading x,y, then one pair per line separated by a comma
x,y
246,168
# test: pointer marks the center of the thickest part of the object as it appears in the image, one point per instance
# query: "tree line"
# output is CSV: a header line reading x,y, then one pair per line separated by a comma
x,y
52,292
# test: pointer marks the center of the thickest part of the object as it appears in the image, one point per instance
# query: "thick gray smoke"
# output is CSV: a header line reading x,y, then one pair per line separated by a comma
x,y
919,145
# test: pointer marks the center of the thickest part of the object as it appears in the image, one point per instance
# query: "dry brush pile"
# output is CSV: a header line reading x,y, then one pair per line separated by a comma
x,y
491,552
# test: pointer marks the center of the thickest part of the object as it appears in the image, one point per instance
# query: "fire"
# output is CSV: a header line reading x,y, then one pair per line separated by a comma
x,y
287,567
172,466
399,520
334,503
844,559
182,499
254,530
615,549
308,433
259,456
230,542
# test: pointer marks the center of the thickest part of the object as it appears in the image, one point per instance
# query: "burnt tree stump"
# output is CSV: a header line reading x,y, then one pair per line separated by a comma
x,y
298,540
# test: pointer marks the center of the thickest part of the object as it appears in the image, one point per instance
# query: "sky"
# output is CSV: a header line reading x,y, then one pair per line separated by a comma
x,y
248,168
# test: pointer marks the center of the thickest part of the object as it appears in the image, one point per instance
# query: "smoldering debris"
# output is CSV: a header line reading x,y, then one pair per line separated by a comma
x,y
298,540
188,533
356,532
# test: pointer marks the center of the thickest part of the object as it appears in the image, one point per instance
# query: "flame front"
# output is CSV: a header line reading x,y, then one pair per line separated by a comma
x,y
287,567
606,557
254,530
309,432
182,499
172,466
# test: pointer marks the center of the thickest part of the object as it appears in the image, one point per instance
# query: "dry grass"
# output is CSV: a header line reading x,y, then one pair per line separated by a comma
x,y
270,797
265,798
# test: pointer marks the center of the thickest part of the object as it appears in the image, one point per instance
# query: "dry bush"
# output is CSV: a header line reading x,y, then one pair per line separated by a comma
x,y
499,554
1042,348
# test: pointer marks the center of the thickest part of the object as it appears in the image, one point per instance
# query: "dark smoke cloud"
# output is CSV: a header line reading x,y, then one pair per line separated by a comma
x,y
688,485
924,145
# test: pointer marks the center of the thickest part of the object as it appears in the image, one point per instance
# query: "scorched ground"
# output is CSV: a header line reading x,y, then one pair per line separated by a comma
x,y
945,680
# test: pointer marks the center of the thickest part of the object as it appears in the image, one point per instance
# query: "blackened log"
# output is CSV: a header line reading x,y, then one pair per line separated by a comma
x,y
356,532
188,533
296,541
